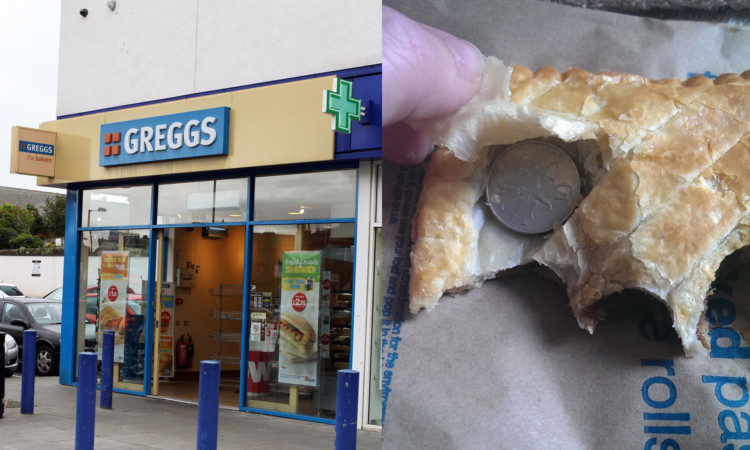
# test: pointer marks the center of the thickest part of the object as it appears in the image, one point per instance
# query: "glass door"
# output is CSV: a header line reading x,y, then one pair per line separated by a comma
x,y
301,315
113,278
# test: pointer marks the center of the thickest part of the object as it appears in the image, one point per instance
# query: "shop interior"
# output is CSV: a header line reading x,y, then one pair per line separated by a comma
x,y
203,261
207,266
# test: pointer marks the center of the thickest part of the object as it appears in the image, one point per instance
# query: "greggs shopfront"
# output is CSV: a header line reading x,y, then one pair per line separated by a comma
x,y
241,226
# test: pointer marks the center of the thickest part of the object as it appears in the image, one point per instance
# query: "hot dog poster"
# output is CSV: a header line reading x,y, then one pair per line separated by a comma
x,y
113,295
300,306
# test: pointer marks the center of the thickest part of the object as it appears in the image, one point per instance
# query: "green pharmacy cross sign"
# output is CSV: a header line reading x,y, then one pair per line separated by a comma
x,y
342,105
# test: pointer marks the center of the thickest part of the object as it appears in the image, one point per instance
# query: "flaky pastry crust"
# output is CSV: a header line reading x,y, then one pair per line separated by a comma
x,y
669,164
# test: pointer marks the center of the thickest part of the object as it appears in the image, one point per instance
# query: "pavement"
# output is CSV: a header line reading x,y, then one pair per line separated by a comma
x,y
146,422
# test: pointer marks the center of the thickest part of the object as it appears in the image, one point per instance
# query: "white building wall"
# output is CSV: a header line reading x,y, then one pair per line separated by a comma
x,y
150,50
19,270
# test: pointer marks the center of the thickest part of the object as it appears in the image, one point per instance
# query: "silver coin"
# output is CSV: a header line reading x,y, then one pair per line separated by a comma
x,y
532,187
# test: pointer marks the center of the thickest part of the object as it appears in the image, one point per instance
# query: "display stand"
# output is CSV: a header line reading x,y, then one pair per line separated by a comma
x,y
266,312
291,407
222,292
131,386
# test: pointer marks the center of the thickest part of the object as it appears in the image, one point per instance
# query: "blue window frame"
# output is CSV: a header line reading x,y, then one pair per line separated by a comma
x,y
81,195
364,142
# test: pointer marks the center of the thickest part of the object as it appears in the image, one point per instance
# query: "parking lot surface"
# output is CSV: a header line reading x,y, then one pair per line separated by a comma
x,y
145,422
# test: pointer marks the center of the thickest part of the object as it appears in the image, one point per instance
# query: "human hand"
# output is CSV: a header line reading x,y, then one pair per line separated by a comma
x,y
427,74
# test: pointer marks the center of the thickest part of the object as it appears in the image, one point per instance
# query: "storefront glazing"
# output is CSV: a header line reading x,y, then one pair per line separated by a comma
x,y
208,244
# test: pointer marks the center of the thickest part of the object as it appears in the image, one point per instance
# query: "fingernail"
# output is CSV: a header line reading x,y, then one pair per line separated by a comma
x,y
469,60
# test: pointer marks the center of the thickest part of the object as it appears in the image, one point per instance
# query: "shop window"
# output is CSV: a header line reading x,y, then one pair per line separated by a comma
x,y
376,380
203,201
107,207
113,288
301,315
305,196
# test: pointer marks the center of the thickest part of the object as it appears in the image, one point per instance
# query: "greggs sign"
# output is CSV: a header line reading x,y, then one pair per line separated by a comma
x,y
184,135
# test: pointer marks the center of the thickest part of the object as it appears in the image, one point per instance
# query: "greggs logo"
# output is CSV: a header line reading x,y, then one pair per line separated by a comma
x,y
184,135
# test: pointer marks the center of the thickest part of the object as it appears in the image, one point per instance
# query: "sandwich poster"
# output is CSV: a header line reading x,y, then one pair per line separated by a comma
x,y
113,292
300,306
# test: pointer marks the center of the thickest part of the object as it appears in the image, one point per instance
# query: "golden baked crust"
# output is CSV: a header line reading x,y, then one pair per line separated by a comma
x,y
670,171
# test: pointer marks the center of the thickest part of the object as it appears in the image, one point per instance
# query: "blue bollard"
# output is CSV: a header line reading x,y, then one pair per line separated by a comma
x,y
28,372
108,360
347,386
208,405
86,401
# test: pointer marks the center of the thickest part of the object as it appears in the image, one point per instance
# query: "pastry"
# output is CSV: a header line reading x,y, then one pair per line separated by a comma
x,y
110,319
665,180
165,362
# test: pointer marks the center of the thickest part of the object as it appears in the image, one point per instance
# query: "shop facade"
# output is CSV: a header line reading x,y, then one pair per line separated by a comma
x,y
238,224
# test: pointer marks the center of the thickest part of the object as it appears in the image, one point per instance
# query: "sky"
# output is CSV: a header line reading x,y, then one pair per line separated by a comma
x,y
29,47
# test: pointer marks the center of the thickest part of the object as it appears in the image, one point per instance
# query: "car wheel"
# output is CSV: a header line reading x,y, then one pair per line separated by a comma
x,y
45,360
9,373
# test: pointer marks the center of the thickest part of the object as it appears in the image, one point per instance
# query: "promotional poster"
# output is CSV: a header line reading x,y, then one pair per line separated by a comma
x,y
166,337
325,315
113,300
300,306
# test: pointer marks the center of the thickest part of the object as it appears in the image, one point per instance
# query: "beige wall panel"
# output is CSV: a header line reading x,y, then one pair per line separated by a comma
x,y
289,126
277,124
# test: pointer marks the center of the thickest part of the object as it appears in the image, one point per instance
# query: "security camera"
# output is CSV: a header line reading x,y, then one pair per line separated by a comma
x,y
83,12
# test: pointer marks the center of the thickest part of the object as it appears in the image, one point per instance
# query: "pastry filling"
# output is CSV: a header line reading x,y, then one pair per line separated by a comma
x,y
296,334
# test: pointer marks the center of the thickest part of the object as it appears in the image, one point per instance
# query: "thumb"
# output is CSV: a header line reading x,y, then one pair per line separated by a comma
x,y
427,73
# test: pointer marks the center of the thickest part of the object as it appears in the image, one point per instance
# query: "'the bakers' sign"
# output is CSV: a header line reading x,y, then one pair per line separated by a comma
x,y
184,135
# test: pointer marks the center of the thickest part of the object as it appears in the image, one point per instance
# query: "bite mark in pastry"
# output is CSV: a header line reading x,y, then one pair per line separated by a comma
x,y
666,175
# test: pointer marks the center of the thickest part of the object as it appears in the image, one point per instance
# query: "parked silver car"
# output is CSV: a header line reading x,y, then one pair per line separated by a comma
x,y
9,290
11,356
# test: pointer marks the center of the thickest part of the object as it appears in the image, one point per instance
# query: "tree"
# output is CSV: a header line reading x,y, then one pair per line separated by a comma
x,y
6,234
15,217
37,225
26,240
53,216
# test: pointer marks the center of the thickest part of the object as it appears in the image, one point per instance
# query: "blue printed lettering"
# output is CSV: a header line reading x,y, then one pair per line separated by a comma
x,y
736,432
396,263
741,383
667,444
393,344
731,392
731,447
732,351
659,404
720,312
664,422
668,364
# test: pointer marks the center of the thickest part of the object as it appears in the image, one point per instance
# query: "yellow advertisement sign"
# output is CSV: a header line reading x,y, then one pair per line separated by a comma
x,y
114,265
32,152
